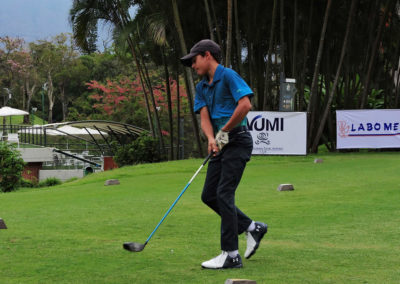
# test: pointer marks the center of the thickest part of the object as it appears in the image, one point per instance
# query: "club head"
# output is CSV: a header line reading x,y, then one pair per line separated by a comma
x,y
134,247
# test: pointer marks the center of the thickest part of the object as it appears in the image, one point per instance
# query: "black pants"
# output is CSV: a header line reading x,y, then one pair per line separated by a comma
x,y
223,176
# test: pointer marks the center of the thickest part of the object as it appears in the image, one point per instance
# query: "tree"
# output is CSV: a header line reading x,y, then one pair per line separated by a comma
x,y
339,69
189,77
49,57
85,14
11,167
313,89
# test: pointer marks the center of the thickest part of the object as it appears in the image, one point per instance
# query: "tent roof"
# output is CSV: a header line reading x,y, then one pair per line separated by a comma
x,y
9,111
102,125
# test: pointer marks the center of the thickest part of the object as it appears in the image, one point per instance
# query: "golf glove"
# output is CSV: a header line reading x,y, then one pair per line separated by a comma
x,y
222,139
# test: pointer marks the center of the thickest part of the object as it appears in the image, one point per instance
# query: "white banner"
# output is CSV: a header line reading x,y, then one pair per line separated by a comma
x,y
278,133
373,128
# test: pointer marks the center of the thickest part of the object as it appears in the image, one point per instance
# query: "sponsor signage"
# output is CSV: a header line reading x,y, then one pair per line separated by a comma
x,y
374,128
278,133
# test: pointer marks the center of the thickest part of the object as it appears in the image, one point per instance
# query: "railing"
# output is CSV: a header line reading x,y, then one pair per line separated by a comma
x,y
26,134
38,136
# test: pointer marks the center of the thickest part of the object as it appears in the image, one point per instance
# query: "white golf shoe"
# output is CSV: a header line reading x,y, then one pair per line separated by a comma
x,y
254,238
223,261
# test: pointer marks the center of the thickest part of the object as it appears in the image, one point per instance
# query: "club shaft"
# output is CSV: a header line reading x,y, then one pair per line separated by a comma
x,y
177,199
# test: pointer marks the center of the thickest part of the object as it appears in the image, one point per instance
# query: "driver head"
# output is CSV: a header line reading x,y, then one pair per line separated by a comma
x,y
134,247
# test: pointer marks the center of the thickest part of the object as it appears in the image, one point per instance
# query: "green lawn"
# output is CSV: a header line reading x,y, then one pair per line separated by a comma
x,y
340,225
19,119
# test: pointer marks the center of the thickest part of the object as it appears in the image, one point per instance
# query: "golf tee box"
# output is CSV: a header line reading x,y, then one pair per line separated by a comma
x,y
2,224
240,281
285,187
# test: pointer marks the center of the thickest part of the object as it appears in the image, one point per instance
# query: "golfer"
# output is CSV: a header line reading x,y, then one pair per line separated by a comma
x,y
223,101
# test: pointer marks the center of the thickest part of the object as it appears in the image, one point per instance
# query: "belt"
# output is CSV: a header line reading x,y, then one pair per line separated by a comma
x,y
238,129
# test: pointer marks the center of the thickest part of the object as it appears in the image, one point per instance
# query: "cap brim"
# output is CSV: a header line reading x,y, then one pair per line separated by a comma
x,y
187,59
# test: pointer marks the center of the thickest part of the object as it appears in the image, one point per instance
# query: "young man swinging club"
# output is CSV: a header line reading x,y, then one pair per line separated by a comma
x,y
223,101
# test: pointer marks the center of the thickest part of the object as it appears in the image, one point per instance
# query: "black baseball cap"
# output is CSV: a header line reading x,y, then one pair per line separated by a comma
x,y
200,47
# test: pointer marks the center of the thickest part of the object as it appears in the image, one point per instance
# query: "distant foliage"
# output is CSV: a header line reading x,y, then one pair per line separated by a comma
x,y
145,149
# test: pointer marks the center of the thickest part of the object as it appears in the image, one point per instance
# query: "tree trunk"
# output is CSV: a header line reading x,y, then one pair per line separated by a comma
x,y
167,84
217,29
63,102
316,71
305,59
364,95
294,41
190,84
332,91
397,88
371,28
150,88
142,82
29,93
178,114
267,93
210,25
229,35
238,38
282,38
142,76
50,91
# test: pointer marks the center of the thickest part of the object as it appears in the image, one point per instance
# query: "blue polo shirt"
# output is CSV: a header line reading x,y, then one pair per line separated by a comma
x,y
221,96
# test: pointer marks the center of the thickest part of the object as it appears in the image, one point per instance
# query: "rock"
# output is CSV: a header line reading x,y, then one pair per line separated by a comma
x,y
318,161
240,281
2,224
111,182
285,187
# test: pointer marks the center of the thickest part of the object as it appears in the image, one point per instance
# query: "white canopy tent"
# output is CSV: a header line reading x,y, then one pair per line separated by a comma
x,y
9,111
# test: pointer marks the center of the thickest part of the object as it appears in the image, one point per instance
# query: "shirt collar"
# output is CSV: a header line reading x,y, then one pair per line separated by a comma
x,y
217,75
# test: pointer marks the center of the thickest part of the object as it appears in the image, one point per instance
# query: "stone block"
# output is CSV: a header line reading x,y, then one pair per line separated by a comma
x,y
111,182
285,187
240,281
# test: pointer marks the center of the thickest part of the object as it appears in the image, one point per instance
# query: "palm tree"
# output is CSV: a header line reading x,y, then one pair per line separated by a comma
x,y
85,14
188,74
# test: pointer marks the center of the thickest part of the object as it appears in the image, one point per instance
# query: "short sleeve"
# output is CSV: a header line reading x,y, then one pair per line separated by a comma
x,y
237,85
199,101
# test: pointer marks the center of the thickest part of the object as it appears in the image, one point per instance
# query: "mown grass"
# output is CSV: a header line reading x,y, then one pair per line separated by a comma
x,y
340,225
19,119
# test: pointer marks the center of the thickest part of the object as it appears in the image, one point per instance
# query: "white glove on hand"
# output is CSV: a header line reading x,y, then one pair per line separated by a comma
x,y
222,139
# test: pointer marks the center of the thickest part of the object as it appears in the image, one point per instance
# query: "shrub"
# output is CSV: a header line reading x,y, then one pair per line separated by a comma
x,y
29,183
11,167
51,181
144,149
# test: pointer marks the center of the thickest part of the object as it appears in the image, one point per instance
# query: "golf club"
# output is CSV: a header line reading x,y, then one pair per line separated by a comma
x,y
137,247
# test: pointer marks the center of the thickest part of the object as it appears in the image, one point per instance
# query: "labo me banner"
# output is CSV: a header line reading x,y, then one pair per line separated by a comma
x,y
278,133
375,128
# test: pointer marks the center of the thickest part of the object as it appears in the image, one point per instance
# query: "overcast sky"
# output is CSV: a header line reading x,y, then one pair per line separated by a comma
x,y
39,19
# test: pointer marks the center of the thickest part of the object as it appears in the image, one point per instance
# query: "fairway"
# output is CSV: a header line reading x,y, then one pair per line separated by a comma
x,y
339,225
